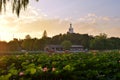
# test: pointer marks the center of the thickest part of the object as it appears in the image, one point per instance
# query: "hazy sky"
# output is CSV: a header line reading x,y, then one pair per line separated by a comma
x,y
54,16
79,8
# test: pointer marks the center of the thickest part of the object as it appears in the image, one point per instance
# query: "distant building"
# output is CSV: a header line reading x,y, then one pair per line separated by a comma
x,y
59,48
71,29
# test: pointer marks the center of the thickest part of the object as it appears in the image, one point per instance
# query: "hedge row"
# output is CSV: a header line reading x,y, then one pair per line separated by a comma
x,y
72,66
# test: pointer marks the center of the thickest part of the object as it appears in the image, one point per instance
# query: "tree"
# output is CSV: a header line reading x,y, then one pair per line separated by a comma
x,y
28,37
14,45
36,44
114,43
99,42
17,5
57,39
28,43
66,44
44,42
44,34
3,46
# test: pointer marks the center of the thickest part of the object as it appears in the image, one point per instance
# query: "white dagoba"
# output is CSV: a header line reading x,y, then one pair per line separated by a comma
x,y
70,29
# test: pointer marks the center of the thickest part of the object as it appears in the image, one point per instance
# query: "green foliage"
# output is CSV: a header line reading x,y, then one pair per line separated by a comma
x,y
100,42
14,45
77,66
16,5
27,44
68,68
66,44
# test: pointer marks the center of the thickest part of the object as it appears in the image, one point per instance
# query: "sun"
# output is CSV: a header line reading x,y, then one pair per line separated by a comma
x,y
5,33
5,36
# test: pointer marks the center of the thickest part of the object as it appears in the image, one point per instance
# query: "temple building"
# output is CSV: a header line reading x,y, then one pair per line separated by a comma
x,y
71,29
59,48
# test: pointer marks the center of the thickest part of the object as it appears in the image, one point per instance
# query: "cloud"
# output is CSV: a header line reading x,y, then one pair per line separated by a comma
x,y
94,19
34,22
93,24
53,26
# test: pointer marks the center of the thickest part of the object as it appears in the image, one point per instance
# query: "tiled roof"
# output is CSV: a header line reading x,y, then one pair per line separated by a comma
x,y
61,46
76,46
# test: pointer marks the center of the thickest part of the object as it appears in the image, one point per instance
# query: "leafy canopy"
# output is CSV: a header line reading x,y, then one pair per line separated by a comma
x,y
66,44
17,5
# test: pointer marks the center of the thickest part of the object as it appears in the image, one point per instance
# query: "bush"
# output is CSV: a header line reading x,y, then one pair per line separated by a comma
x,y
77,66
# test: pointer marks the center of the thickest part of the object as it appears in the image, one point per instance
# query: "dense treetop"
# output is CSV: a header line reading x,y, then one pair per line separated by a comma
x,y
100,42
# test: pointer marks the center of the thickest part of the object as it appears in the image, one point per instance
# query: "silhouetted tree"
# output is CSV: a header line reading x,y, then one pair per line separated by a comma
x,y
44,34
3,46
36,44
27,37
44,42
114,43
100,42
14,45
16,5
27,43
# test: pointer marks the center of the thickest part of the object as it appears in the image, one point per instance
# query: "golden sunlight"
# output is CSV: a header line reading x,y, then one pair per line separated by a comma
x,y
6,36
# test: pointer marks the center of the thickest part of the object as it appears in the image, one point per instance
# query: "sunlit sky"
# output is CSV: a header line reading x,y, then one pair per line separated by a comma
x,y
87,16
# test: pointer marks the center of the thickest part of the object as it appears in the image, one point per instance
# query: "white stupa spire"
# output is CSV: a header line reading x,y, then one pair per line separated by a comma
x,y
71,29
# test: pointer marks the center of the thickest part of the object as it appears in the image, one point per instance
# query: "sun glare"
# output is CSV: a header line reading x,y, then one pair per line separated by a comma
x,y
6,36
6,33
